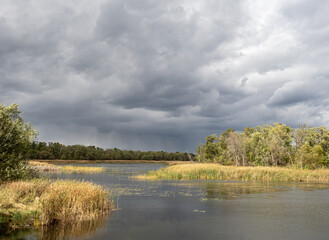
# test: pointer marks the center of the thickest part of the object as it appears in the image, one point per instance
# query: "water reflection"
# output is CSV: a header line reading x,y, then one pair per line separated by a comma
x,y
70,231
235,190
60,231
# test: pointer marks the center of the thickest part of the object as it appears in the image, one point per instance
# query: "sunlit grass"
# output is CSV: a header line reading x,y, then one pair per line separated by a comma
x,y
219,172
71,168
42,202
44,167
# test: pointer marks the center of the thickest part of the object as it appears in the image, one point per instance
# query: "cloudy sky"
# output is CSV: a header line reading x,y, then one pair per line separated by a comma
x,y
162,75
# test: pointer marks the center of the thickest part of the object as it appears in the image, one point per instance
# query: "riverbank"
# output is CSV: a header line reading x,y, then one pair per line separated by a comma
x,y
33,203
218,172
58,161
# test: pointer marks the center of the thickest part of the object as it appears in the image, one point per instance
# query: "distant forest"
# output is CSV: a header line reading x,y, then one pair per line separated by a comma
x,y
43,150
268,145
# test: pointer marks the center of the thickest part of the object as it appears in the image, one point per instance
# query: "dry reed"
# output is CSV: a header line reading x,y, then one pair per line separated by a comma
x,y
42,202
71,168
219,172
48,167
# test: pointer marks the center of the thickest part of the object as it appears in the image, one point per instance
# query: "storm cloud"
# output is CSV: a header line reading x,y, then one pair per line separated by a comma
x,y
162,75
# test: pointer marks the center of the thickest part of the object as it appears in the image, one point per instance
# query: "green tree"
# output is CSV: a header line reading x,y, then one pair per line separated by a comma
x,y
310,157
15,140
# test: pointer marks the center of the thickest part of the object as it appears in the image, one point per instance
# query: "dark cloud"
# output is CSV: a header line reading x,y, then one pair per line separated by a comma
x,y
163,75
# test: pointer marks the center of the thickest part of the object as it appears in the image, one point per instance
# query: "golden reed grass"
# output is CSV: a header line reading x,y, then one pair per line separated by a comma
x,y
48,167
219,172
71,168
42,202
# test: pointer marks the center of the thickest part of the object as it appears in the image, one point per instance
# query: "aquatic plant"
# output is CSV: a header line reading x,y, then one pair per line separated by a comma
x,y
42,202
48,167
219,172
72,168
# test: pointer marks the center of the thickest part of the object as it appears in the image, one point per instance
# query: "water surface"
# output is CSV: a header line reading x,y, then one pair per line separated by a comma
x,y
170,209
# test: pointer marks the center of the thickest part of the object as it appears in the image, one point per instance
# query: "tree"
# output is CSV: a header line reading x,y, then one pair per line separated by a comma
x,y
211,149
15,139
310,156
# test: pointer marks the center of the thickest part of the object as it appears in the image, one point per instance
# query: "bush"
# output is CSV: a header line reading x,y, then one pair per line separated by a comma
x,y
15,138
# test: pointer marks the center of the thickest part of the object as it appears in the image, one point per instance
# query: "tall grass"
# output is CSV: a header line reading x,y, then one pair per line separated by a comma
x,y
71,168
43,167
43,202
48,167
219,172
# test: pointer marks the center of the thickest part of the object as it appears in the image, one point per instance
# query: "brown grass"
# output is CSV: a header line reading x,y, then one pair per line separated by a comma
x,y
42,202
219,172
41,166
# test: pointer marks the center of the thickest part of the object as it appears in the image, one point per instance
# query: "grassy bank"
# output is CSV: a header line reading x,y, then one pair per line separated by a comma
x,y
48,167
41,202
219,172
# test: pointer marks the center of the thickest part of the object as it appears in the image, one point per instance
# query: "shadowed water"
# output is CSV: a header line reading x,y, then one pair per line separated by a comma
x,y
170,209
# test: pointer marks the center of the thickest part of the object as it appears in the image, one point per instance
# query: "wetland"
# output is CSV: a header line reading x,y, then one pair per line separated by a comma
x,y
195,209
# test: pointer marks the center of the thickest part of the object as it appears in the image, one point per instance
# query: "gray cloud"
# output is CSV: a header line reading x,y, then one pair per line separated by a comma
x,y
163,75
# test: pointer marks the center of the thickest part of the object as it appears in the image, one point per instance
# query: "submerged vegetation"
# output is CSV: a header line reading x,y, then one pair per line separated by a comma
x,y
219,172
42,202
268,145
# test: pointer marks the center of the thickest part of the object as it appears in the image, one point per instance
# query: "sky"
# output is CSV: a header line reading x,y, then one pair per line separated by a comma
x,y
163,75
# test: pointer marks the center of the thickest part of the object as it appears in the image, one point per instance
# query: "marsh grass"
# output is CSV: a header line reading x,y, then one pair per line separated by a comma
x,y
219,172
43,167
48,167
71,168
43,202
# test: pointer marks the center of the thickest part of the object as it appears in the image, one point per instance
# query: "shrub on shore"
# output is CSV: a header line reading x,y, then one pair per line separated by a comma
x,y
220,172
42,202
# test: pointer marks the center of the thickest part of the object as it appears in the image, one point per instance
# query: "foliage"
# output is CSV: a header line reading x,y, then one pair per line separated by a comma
x,y
268,145
42,150
15,138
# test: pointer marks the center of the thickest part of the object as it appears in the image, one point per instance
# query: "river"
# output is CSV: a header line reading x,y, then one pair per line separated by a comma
x,y
198,209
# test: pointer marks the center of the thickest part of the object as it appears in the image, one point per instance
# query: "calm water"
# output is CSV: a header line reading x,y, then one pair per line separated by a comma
x,y
199,209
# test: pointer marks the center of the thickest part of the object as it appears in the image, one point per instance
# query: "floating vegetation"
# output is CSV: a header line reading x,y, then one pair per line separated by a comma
x,y
199,211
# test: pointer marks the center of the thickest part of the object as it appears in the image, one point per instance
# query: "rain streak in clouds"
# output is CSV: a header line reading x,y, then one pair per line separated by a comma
x,y
162,75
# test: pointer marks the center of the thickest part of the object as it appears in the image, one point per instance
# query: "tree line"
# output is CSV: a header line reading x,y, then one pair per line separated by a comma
x,y
18,143
268,145
43,150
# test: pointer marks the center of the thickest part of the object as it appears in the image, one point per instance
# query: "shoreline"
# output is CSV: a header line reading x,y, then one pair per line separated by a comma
x,y
212,171
59,161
